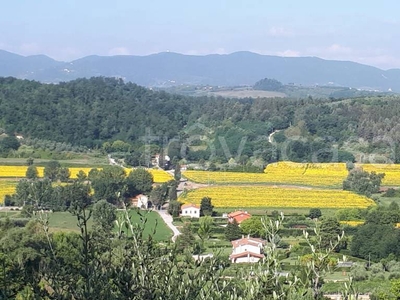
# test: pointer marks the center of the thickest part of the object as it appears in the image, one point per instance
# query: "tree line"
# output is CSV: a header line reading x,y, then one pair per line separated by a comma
x,y
97,112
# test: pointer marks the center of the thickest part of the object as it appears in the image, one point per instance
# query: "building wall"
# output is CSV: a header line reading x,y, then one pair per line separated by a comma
x,y
247,259
244,248
191,212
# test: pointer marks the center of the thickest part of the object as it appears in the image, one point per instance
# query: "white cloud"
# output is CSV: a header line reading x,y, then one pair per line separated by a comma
x,y
289,53
119,51
280,32
339,49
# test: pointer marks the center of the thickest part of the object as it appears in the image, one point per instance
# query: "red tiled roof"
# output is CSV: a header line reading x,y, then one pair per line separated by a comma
x,y
238,213
239,216
239,219
245,254
247,241
190,205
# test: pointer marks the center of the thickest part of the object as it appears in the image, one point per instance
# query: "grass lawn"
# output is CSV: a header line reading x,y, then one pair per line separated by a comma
x,y
5,214
82,161
385,201
153,222
64,221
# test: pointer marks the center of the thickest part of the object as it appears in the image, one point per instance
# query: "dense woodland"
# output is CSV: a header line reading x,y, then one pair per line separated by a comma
x,y
90,112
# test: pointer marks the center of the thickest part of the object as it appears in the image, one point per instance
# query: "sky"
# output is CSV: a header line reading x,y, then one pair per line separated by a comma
x,y
363,31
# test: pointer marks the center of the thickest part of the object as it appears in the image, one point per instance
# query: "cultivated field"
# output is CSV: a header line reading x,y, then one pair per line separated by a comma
x,y
286,173
159,176
289,173
392,172
6,188
20,171
269,196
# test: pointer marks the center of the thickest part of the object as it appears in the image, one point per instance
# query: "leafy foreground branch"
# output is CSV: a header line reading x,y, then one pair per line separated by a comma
x,y
104,263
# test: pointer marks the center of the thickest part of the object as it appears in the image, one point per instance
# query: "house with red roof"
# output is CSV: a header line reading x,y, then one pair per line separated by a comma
x,y
239,216
247,250
190,210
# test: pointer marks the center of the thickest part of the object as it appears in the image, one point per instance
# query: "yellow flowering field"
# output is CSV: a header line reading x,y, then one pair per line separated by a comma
x,y
20,171
159,176
312,174
270,196
7,188
17,171
392,172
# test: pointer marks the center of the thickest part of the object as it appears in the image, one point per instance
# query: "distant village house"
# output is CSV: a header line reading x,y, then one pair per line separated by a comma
x,y
140,201
239,216
247,250
190,210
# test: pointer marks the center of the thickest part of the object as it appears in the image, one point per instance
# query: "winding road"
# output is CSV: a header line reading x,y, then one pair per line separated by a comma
x,y
168,220
271,135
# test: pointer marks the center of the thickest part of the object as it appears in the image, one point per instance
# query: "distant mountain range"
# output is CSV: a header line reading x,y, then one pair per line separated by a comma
x,y
166,69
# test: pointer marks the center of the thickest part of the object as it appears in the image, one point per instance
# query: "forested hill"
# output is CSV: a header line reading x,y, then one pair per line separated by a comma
x,y
89,112
240,68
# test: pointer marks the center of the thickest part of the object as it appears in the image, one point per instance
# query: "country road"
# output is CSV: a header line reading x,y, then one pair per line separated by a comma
x,y
271,135
168,220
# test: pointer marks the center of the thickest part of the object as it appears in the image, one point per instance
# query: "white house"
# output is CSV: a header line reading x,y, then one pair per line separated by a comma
x,y
140,201
190,210
247,250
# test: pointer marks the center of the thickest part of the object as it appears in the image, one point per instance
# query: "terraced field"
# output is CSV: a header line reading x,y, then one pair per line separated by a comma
x,y
270,196
286,173
392,172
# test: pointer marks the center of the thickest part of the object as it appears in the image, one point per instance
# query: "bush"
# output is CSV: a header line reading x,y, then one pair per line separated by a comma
x,y
376,268
395,275
359,273
390,193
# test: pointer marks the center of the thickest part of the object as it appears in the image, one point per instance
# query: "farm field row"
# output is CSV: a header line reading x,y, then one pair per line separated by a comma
x,y
290,173
6,188
270,196
392,172
319,175
159,176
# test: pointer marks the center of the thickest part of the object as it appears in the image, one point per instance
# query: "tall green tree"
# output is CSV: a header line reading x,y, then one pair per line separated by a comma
x,y
172,192
139,181
186,240
314,213
32,172
363,182
104,215
205,227
177,172
51,170
253,227
206,207
330,231
158,195
174,208
108,183
233,231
